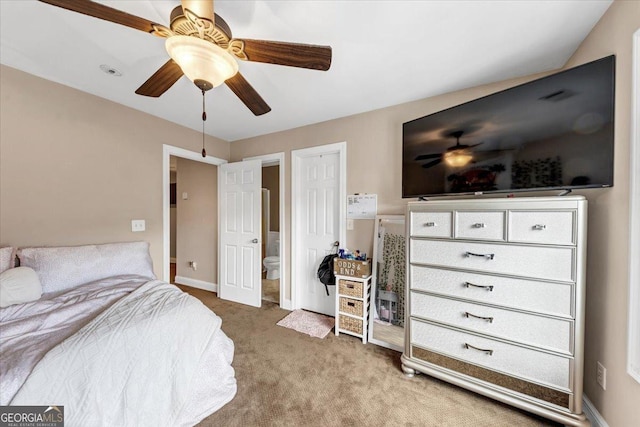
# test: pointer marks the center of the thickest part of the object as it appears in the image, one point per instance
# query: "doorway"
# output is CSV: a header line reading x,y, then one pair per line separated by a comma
x,y
270,253
274,234
318,212
208,283
173,217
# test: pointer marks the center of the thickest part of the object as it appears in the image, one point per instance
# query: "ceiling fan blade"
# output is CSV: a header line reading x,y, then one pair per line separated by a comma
x,y
431,164
110,14
475,145
463,146
222,25
247,94
427,156
292,54
161,80
202,8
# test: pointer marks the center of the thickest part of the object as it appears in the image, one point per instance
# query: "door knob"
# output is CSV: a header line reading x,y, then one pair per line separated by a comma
x,y
254,241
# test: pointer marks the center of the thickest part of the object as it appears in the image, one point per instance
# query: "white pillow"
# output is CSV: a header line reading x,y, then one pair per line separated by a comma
x,y
66,267
7,258
19,285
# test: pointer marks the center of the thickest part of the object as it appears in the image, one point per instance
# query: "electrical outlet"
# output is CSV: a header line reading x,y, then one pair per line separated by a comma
x,y
193,265
137,225
601,376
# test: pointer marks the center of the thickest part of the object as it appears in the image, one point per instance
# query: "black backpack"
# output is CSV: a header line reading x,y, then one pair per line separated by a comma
x,y
325,272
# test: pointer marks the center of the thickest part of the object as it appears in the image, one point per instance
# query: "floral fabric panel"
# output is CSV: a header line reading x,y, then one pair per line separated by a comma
x,y
392,272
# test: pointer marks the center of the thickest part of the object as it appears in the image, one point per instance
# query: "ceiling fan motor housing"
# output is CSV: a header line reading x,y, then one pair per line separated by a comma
x,y
203,85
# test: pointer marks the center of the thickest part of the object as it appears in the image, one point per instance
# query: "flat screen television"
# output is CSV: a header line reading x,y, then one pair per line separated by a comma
x,y
554,133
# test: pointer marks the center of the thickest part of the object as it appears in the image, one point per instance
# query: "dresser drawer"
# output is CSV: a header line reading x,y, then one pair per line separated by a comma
x,y
541,297
551,333
553,263
480,225
547,227
431,224
527,363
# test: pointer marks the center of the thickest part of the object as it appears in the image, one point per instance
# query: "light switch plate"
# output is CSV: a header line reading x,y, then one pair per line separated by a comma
x,y
137,225
349,224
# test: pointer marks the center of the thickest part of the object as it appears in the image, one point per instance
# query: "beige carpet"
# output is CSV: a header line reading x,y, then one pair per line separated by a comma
x,y
286,378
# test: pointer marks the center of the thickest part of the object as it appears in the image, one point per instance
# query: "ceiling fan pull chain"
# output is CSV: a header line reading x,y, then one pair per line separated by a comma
x,y
204,119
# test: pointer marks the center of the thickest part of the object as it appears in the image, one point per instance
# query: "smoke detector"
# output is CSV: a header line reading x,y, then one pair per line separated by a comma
x,y
110,70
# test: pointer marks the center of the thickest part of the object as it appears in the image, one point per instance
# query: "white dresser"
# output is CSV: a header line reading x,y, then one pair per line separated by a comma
x,y
495,301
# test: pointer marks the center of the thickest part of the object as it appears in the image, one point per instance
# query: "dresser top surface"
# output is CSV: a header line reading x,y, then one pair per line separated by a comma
x,y
556,202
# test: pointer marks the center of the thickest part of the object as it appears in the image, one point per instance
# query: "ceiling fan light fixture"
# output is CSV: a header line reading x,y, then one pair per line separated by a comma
x,y
204,63
458,158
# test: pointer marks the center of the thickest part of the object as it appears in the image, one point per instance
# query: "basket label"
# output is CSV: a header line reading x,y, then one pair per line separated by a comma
x,y
346,267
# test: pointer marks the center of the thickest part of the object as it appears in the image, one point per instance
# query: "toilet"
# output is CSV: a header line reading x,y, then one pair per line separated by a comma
x,y
272,261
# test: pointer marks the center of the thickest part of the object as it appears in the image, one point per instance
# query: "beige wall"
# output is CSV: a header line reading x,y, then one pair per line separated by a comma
x,y
197,221
374,154
608,255
374,166
76,169
271,181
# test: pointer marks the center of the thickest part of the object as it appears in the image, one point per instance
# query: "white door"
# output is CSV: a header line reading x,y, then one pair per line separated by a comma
x,y
240,263
318,227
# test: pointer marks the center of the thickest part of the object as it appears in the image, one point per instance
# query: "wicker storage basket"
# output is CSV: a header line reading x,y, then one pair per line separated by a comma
x,y
350,306
350,324
351,288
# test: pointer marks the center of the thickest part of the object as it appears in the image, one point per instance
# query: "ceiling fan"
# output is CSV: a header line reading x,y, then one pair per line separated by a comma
x,y
457,156
202,47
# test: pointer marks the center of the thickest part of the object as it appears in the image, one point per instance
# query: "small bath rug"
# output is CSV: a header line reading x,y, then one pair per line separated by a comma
x,y
314,324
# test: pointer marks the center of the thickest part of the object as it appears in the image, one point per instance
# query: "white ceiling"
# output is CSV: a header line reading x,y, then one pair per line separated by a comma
x,y
384,53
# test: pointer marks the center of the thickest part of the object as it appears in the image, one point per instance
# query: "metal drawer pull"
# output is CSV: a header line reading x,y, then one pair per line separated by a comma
x,y
487,287
488,319
429,224
468,346
479,225
539,227
488,256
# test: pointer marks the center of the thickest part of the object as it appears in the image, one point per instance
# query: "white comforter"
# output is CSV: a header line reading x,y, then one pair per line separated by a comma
x,y
117,352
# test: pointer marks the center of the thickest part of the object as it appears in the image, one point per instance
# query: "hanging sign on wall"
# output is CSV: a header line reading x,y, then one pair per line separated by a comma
x,y
362,206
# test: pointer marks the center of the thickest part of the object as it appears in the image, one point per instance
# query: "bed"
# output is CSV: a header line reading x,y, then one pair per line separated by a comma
x,y
107,341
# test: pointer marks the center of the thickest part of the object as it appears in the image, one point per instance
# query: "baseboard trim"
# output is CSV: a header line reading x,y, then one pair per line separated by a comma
x,y
195,283
592,413
286,304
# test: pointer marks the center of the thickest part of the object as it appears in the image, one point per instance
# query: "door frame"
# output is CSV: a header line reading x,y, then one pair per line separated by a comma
x,y
296,158
633,346
272,160
167,152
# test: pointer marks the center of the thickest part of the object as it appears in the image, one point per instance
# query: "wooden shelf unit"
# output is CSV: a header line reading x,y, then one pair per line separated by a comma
x,y
352,305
